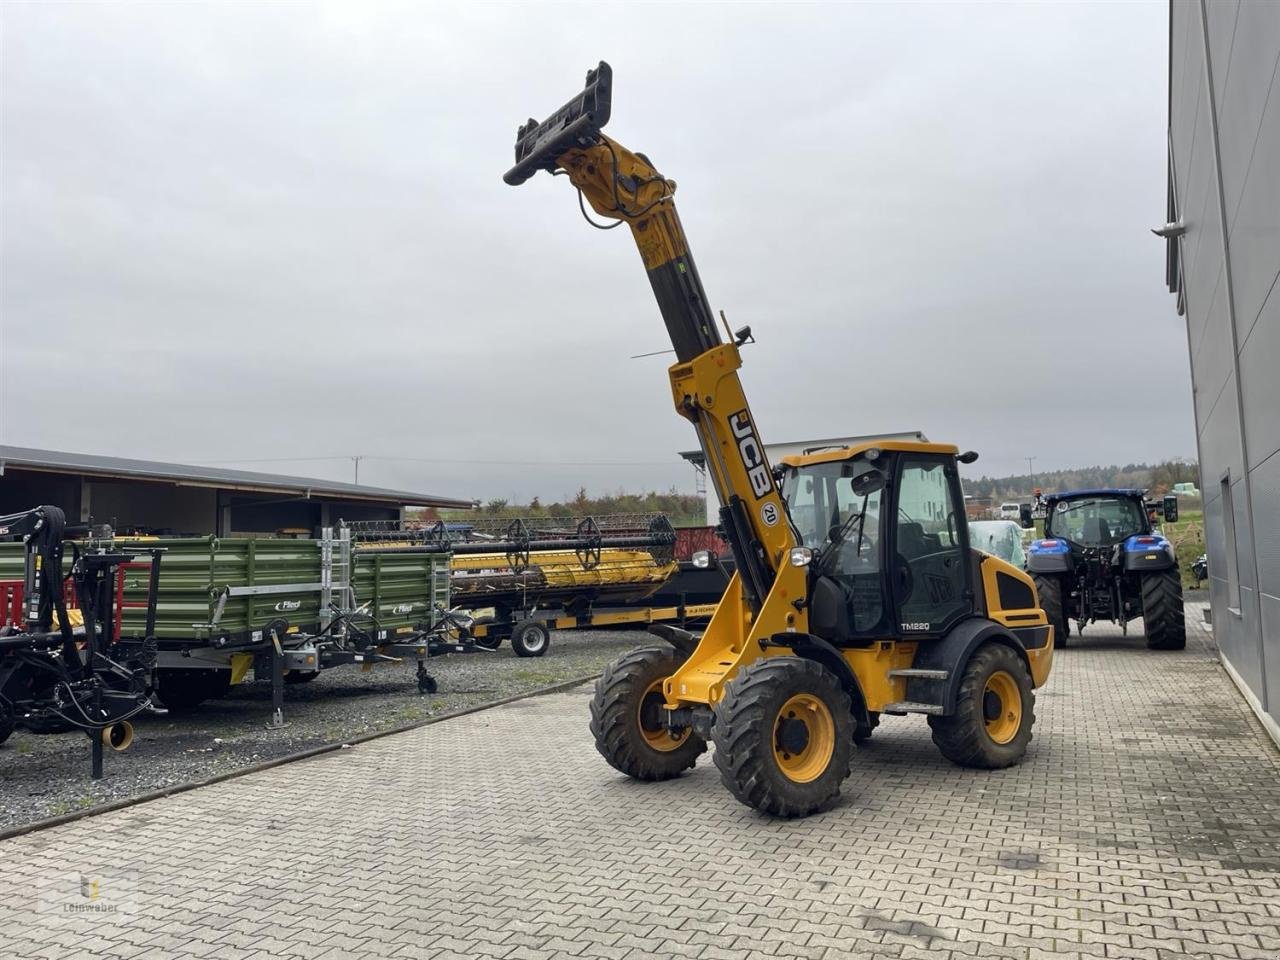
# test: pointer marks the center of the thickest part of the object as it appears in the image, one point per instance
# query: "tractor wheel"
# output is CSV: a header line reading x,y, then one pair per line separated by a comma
x,y
862,734
1162,615
784,736
626,718
530,639
995,710
184,690
1049,590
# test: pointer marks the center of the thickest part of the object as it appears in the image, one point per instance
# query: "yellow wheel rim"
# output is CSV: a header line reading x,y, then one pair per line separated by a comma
x,y
804,738
649,721
1002,707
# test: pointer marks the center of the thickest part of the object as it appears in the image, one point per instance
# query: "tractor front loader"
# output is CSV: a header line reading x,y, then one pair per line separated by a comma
x,y
855,592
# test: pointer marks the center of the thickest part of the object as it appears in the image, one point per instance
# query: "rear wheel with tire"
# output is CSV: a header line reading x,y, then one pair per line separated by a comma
x,y
626,718
995,710
530,639
1050,590
1162,614
784,736
184,690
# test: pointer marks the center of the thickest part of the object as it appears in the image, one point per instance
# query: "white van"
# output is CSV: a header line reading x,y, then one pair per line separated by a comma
x,y
1009,511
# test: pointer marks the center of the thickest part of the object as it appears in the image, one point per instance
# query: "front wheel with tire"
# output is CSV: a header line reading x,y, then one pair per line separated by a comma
x,y
1162,614
626,718
995,710
530,638
784,736
1049,590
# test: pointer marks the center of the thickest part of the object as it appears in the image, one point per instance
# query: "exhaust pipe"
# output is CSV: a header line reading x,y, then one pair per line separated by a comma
x,y
118,736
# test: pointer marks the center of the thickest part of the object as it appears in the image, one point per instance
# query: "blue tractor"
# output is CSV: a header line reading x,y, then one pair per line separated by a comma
x,y
1101,558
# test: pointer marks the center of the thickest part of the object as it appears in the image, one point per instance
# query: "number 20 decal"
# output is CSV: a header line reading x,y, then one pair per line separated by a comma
x,y
768,514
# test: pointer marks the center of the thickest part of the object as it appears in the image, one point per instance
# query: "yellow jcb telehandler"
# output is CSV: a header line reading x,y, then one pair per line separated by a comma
x,y
855,592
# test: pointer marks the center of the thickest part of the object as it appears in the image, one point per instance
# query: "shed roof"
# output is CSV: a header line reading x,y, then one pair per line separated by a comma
x,y
182,474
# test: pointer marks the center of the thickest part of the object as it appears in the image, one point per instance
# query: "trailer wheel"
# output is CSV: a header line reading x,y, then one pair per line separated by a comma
x,y
784,736
184,690
1049,590
995,710
1162,614
489,642
530,639
626,718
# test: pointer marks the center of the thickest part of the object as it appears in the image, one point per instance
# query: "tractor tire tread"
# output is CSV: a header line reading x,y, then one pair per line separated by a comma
x,y
961,737
1162,613
743,730
612,708
1049,590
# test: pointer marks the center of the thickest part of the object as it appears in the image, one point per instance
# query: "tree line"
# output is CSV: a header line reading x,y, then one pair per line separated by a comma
x,y
682,509
1158,479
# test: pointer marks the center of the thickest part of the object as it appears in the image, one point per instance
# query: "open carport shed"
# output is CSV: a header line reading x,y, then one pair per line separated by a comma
x,y
174,498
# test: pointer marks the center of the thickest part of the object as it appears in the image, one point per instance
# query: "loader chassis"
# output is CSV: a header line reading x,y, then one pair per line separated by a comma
x,y
839,609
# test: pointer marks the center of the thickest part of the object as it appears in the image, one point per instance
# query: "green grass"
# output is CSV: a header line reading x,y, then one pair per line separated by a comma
x,y
1187,537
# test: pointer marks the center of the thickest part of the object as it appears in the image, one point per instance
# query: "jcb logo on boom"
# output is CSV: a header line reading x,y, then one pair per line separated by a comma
x,y
752,453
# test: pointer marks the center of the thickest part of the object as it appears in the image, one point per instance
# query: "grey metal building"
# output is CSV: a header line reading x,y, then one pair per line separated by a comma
x,y
1223,263
178,499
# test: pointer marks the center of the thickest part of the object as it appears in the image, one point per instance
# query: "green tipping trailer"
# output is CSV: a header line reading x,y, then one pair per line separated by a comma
x,y
224,591
284,608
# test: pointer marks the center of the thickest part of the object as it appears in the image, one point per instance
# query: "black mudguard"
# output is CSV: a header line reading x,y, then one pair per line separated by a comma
x,y
951,653
1049,563
820,651
1149,561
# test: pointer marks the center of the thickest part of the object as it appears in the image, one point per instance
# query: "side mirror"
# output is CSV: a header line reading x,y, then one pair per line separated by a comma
x,y
1170,509
865,484
1024,515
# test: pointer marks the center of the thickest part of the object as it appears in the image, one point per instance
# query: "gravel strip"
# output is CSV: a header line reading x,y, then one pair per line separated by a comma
x,y
47,776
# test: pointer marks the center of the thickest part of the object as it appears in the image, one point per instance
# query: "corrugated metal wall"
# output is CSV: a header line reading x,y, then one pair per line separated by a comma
x,y
1224,143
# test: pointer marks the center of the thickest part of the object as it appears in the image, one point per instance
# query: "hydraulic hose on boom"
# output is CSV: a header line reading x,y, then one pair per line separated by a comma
x,y
624,186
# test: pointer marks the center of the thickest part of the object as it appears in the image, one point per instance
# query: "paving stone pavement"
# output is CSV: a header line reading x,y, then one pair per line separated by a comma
x,y
1144,823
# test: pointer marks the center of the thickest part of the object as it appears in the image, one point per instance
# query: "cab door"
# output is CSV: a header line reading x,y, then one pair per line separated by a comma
x,y
930,573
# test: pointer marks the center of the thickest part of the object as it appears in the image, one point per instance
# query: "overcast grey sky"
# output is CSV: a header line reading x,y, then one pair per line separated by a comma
x,y
279,230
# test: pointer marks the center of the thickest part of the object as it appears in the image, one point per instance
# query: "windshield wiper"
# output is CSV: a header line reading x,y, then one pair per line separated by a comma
x,y
831,549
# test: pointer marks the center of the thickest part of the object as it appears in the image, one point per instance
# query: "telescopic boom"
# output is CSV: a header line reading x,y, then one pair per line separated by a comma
x,y
623,185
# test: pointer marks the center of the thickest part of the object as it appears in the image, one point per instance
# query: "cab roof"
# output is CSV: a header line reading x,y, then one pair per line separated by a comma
x,y
848,453
1099,492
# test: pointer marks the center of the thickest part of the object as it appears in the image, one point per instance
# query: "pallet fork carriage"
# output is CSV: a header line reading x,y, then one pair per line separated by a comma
x,y
855,592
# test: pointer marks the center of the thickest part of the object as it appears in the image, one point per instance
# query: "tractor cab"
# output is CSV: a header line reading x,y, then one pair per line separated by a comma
x,y
882,527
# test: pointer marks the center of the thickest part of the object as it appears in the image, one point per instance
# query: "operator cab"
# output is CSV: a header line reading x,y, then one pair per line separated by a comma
x,y
885,525
1094,521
